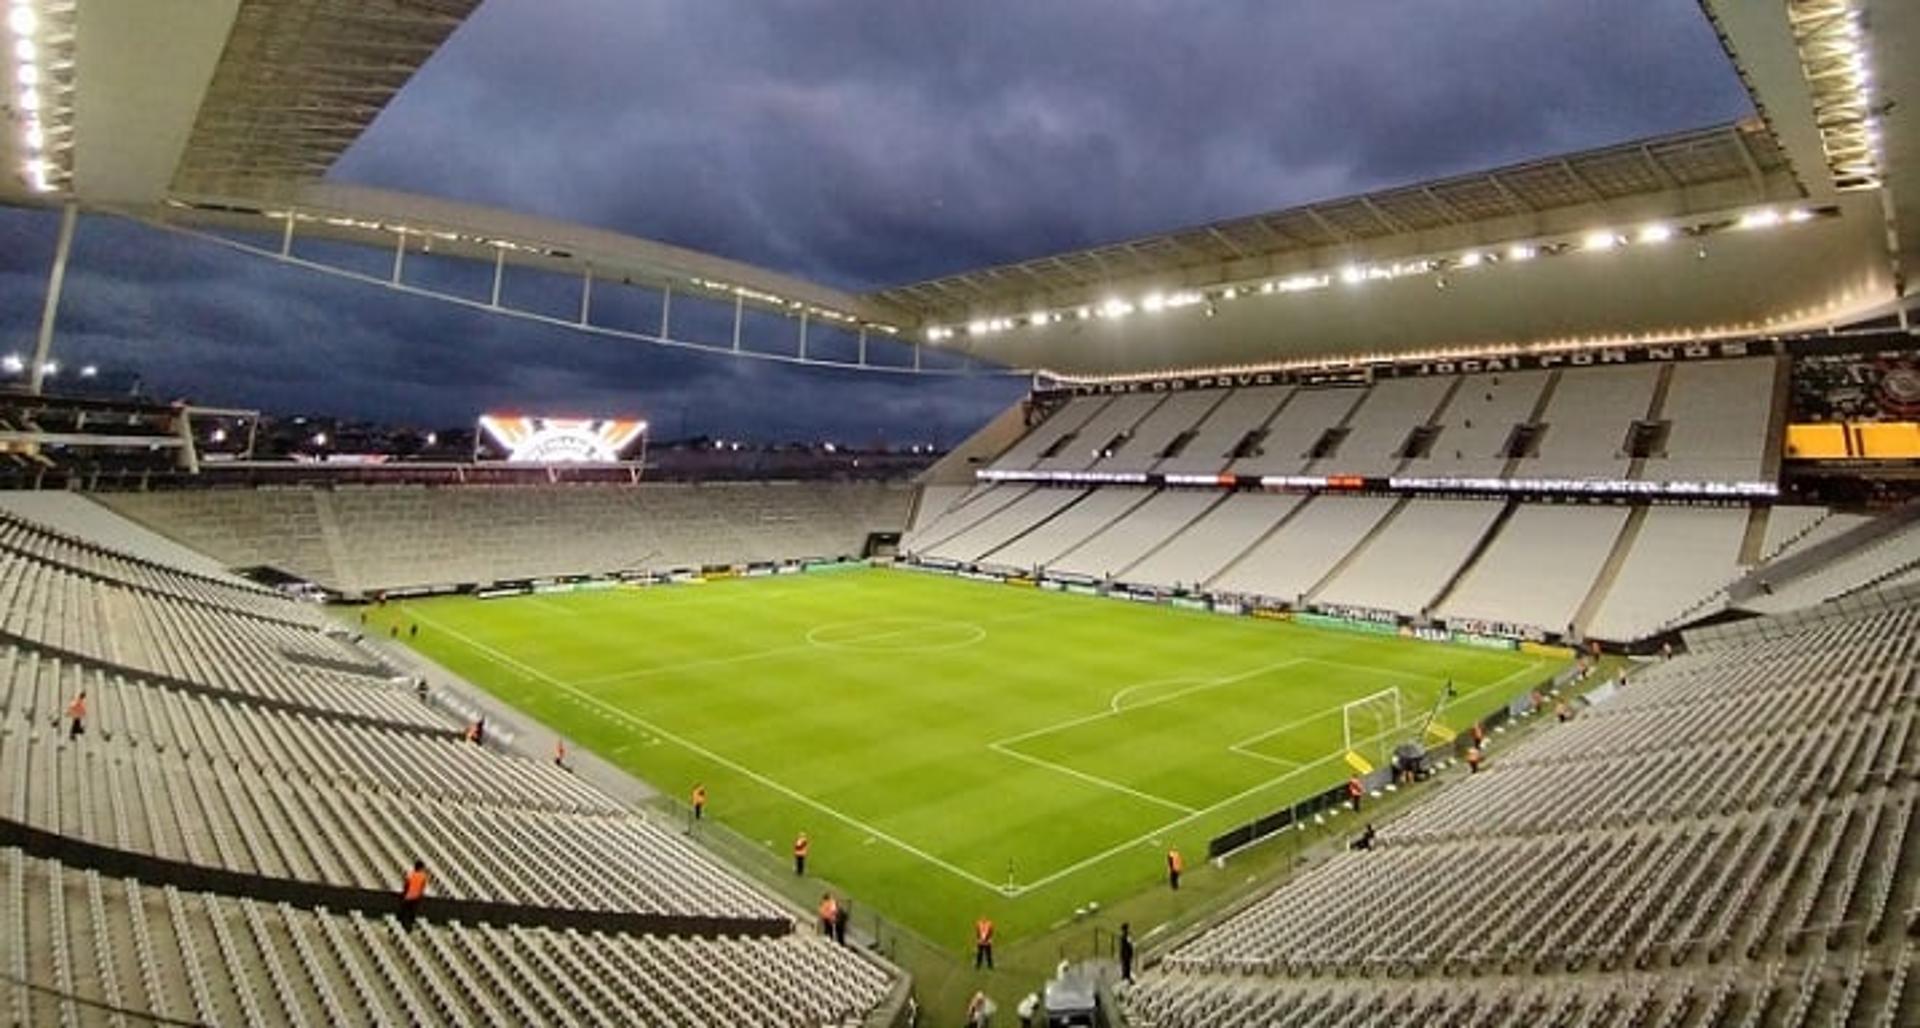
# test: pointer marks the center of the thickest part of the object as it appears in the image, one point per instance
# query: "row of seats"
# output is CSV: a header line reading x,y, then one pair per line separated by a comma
x,y
1742,816
77,945
366,539
164,636
1716,415
1830,990
214,737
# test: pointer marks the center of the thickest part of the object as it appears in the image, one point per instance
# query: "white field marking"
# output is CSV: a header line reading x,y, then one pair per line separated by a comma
x,y
785,651
708,754
1201,684
1160,830
856,643
1090,779
1115,705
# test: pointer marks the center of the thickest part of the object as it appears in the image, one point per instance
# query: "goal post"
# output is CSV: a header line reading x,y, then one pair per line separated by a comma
x,y
1369,717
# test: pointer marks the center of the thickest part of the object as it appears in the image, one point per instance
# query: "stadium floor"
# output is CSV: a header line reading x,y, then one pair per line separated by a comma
x,y
953,747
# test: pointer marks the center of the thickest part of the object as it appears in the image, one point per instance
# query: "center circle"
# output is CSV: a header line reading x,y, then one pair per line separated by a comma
x,y
896,635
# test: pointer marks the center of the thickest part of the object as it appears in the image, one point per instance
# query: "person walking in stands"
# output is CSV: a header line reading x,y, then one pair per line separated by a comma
x,y
829,914
1175,865
800,847
560,753
1126,952
413,889
77,711
699,800
1474,757
983,943
1355,791
842,916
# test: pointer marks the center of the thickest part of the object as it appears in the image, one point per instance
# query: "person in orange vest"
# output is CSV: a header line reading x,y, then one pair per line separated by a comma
x,y
829,914
413,889
1175,865
1474,757
699,800
77,710
983,943
1355,790
800,847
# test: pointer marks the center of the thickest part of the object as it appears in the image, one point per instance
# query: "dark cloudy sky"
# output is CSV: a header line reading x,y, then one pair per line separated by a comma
x,y
861,143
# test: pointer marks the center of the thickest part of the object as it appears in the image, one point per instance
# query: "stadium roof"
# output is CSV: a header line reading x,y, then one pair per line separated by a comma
x,y
229,112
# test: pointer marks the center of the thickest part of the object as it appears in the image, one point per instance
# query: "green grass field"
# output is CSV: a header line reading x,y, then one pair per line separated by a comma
x,y
954,747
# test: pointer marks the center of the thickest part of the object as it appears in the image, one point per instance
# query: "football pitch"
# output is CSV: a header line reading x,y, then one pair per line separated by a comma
x,y
955,747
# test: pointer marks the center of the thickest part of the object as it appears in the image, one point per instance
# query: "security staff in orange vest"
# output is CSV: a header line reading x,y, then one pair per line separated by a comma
x,y
413,889
1175,865
983,943
829,913
1355,790
77,710
800,846
699,800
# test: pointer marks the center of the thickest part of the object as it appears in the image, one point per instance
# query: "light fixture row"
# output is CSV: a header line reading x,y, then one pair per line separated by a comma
x,y
1351,275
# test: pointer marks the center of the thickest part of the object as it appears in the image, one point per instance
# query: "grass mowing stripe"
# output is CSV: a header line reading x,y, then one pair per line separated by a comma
x,y
733,766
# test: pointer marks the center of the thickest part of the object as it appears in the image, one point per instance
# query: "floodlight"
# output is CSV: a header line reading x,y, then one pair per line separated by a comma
x,y
1153,302
28,74
12,364
88,371
1602,239
1521,252
24,50
1655,233
219,435
22,21
1799,214
1471,259
1764,218
1352,275
29,99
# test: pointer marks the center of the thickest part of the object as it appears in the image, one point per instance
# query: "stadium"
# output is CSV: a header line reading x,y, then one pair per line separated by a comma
x,y
1491,600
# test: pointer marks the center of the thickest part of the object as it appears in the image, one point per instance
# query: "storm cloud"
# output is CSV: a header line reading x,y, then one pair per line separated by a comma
x,y
860,143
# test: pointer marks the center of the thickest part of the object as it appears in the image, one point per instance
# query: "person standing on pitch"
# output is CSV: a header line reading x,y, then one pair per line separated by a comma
x,y
1175,865
1126,953
800,847
983,943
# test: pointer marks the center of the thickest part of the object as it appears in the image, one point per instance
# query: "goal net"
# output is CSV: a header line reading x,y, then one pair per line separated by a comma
x,y
1368,726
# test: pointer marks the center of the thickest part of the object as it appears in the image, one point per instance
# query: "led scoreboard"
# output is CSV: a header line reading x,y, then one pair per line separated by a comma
x,y
540,440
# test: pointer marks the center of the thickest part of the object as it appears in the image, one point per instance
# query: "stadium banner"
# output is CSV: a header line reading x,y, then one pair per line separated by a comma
x,y
815,567
1082,590
1346,624
1485,642
1189,603
1233,607
1053,585
1272,614
1364,374
1504,629
497,591
1540,649
1022,581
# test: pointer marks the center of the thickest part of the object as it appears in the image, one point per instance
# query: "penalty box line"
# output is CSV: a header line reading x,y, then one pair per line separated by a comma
x,y
693,747
1148,836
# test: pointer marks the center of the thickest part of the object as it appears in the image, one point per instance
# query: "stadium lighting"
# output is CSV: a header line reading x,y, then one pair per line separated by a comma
x,y
1229,293
1601,239
219,435
50,368
1799,214
319,439
1521,252
1471,259
1039,318
12,364
24,50
1655,234
976,328
1352,275
1764,218
1115,308
29,99
88,371
28,74
433,438
1153,302
22,20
